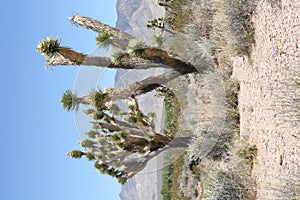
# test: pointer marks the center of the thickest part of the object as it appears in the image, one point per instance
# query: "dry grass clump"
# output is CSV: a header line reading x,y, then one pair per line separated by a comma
x,y
224,173
223,179
226,25
238,13
216,129
179,14
221,185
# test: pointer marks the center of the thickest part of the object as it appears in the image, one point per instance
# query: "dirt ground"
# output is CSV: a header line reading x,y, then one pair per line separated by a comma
x,y
269,99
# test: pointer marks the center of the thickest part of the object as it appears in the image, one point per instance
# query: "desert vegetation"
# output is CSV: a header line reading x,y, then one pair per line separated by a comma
x,y
204,105
121,142
223,31
218,38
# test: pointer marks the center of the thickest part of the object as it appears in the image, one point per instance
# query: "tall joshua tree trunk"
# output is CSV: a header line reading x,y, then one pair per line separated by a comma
x,y
68,56
144,86
121,39
99,61
161,56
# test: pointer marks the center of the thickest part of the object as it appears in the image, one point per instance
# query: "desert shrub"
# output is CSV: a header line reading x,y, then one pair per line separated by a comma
x,y
175,191
224,186
232,90
232,122
202,23
248,153
170,176
238,13
231,179
166,181
226,24
172,110
179,14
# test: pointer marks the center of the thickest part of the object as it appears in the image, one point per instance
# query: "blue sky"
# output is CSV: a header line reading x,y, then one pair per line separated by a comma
x,y
36,131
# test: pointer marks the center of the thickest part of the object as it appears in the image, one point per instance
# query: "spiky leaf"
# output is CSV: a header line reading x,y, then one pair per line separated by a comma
x,y
157,39
103,40
75,154
69,101
116,56
136,48
97,97
49,46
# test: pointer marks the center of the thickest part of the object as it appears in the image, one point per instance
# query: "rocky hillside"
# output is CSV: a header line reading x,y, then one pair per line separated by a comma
x,y
133,16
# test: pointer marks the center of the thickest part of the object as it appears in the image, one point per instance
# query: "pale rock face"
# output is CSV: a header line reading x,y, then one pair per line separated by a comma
x,y
133,16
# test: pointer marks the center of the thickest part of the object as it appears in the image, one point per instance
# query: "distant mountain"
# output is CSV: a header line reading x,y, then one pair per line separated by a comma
x,y
133,16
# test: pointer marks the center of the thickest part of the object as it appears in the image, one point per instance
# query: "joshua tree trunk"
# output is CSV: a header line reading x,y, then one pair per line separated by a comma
x,y
161,57
109,126
121,38
67,56
145,85
99,61
157,55
134,166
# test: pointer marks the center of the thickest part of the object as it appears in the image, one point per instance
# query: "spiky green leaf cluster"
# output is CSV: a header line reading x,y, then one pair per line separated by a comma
x,y
106,169
122,180
68,101
103,40
116,56
49,46
119,136
92,134
157,38
75,154
97,97
86,143
90,156
136,48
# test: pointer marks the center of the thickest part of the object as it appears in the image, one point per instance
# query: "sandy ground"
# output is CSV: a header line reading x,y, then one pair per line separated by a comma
x,y
269,100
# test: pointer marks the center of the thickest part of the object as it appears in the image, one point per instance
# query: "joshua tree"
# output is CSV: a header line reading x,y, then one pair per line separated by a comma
x,y
114,142
138,56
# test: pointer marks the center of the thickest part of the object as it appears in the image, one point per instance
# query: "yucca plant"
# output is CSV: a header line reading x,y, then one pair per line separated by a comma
x,y
136,48
116,56
97,99
68,101
75,154
49,46
157,39
103,40
71,101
